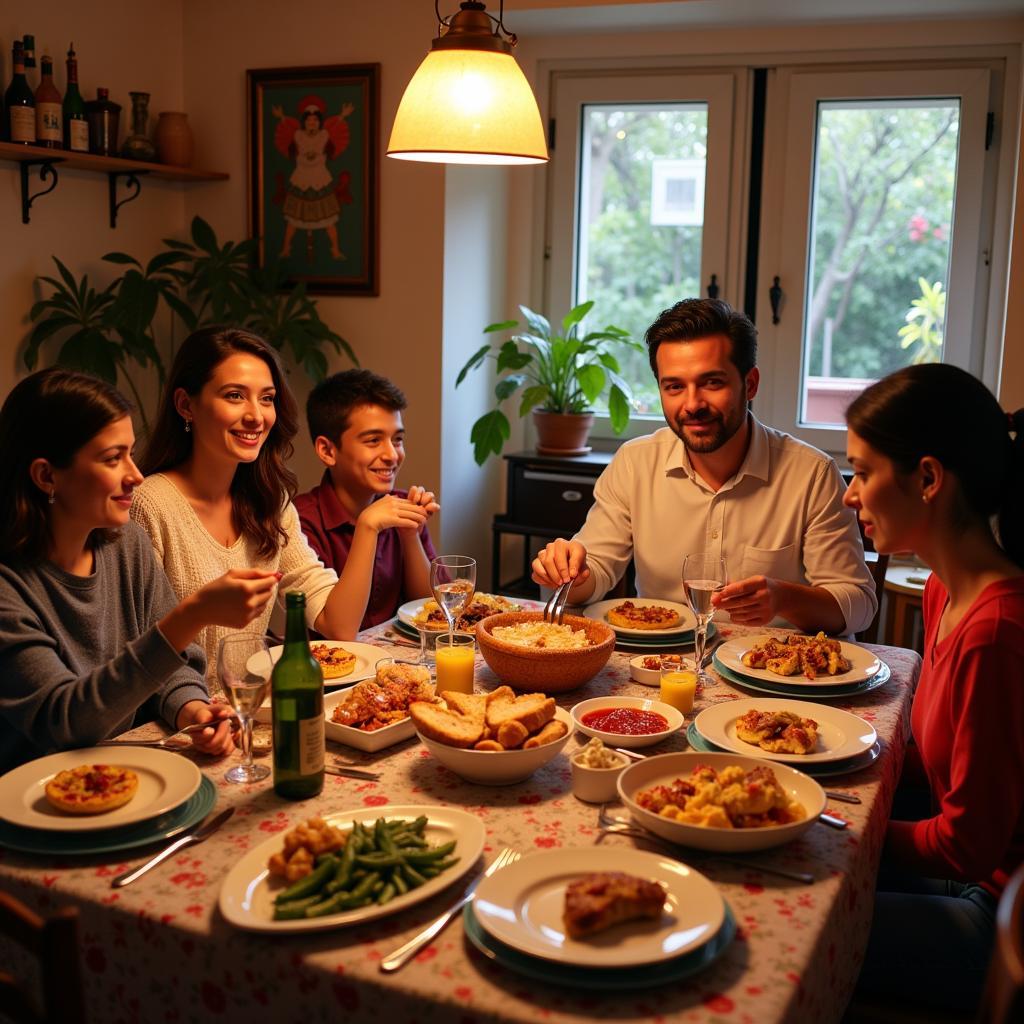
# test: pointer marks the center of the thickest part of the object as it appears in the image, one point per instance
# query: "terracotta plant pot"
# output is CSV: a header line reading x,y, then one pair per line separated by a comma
x,y
174,139
560,433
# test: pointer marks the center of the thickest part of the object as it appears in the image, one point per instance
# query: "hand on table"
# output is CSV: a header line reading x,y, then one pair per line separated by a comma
x,y
217,739
750,602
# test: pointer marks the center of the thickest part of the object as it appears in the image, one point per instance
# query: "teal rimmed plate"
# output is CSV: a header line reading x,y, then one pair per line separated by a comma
x,y
820,771
883,676
684,639
192,811
604,979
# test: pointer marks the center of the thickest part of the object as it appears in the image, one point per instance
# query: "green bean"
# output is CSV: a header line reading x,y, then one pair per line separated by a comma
x,y
399,882
379,860
365,886
386,894
444,865
413,877
311,883
294,909
426,856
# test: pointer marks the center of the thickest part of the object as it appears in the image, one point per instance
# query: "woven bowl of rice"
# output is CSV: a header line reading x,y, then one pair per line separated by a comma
x,y
553,667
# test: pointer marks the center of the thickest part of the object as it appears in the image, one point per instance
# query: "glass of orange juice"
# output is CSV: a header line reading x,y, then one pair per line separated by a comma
x,y
678,682
455,655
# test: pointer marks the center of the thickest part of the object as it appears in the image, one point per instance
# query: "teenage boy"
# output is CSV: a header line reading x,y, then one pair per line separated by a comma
x,y
373,536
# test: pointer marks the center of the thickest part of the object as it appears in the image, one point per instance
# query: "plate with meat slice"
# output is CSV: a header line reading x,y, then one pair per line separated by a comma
x,y
797,660
643,617
600,907
794,731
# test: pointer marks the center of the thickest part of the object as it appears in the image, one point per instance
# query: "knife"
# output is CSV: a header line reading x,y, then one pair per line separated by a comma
x,y
197,835
352,773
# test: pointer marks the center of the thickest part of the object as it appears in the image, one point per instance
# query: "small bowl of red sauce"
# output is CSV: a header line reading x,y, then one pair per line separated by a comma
x,y
626,721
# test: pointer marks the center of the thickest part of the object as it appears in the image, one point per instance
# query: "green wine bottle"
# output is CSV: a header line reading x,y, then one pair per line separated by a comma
x,y
297,689
76,127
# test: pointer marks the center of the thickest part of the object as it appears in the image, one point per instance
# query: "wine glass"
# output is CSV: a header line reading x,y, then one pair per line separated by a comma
x,y
453,581
244,666
703,574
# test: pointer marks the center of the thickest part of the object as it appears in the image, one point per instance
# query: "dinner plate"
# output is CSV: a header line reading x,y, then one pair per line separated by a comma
x,y
817,771
521,906
841,735
378,739
166,826
408,611
367,657
600,609
247,899
865,665
660,643
166,780
603,980
782,689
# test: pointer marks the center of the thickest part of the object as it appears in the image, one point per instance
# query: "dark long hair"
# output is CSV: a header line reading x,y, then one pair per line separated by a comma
x,y
260,489
50,415
942,411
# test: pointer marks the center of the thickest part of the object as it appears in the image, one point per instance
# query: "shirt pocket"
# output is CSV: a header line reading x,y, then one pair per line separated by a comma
x,y
779,563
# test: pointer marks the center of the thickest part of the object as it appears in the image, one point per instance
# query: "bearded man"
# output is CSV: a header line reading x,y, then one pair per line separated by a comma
x,y
718,480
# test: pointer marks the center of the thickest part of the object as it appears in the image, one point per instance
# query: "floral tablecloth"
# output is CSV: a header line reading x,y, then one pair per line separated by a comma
x,y
159,950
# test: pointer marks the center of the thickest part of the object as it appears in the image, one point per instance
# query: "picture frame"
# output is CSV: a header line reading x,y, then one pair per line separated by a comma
x,y
314,174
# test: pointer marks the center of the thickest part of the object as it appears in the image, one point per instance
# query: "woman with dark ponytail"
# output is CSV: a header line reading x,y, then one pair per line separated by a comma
x,y
939,470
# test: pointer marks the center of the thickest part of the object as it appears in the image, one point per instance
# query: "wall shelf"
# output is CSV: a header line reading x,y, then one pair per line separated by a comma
x,y
48,161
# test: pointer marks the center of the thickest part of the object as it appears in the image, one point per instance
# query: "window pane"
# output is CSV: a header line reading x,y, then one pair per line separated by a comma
x,y
884,185
641,219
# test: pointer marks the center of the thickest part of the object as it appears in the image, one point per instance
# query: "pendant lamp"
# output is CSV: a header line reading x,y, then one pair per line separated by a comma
x,y
469,101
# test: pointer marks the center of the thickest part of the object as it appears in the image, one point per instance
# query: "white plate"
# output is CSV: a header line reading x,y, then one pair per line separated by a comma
x,y
600,609
166,780
865,664
521,906
673,718
840,734
367,657
408,611
359,738
247,900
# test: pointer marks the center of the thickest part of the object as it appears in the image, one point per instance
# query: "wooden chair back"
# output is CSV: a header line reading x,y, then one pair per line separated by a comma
x,y
877,566
1003,999
54,943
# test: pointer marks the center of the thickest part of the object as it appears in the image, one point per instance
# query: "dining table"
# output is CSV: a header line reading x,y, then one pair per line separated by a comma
x,y
160,950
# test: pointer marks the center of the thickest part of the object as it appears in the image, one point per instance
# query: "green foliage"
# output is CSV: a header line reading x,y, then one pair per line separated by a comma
x,y
562,372
925,324
201,282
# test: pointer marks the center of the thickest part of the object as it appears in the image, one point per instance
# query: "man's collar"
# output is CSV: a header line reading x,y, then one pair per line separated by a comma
x,y
332,511
756,462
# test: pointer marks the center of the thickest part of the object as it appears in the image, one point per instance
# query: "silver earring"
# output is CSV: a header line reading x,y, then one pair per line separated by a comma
x,y
53,496
188,426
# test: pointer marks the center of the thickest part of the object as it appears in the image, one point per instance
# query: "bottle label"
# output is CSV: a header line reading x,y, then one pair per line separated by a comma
x,y
23,124
312,741
48,122
78,136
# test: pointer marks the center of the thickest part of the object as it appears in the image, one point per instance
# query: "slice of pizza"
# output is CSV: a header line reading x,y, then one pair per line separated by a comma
x,y
335,662
92,788
606,898
642,616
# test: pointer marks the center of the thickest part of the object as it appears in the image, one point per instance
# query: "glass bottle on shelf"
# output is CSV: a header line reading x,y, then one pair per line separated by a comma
x,y
297,707
138,145
29,46
103,115
49,126
20,104
76,125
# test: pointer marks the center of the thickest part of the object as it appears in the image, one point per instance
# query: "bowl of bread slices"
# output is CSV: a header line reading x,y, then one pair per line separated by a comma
x,y
494,739
527,653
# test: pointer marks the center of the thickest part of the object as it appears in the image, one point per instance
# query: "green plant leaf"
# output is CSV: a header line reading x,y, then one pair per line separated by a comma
x,y
163,260
88,350
575,315
203,236
591,380
532,397
69,278
175,243
609,361
315,364
121,257
488,435
473,362
505,325
538,323
510,358
618,409
509,385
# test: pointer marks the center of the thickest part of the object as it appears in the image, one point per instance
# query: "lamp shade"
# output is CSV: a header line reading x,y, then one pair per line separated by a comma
x,y
470,107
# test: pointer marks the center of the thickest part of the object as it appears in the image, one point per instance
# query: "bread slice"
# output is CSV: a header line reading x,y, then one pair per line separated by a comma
x,y
554,730
451,726
531,710
511,734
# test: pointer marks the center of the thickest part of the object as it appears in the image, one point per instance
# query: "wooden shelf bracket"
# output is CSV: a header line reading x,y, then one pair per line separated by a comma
x,y
47,169
131,181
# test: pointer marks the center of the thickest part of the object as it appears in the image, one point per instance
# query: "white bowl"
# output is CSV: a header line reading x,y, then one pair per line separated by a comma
x,y
378,739
646,676
619,739
498,767
596,785
662,770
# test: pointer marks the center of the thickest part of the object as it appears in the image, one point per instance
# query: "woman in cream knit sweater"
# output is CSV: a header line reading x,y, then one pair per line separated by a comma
x,y
218,491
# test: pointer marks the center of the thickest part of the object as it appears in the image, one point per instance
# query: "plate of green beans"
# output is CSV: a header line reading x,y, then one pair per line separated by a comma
x,y
393,857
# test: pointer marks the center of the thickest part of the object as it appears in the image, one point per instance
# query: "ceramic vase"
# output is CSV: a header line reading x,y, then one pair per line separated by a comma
x,y
174,139
138,145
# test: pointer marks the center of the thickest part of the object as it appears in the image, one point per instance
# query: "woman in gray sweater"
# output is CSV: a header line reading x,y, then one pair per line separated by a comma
x,y
92,638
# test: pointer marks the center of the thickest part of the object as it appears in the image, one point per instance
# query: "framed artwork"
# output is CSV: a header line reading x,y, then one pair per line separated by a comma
x,y
314,174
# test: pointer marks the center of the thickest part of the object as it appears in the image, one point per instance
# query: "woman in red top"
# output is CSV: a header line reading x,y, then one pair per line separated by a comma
x,y
935,466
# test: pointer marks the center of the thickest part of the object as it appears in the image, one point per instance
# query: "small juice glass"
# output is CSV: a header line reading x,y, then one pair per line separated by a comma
x,y
678,683
455,656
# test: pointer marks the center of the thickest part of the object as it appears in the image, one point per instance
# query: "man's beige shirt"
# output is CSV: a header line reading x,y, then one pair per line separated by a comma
x,y
781,515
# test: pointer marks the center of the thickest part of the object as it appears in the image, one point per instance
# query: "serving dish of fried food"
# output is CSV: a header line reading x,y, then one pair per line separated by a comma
x,y
428,614
798,660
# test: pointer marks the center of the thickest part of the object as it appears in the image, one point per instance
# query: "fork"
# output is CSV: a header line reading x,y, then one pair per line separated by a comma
x,y
554,610
175,741
401,956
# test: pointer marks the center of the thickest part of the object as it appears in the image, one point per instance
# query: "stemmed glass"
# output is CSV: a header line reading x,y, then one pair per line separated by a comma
x,y
453,581
703,574
244,666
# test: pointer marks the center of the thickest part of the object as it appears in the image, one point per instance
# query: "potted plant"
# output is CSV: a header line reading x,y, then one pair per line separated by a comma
x,y
562,375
